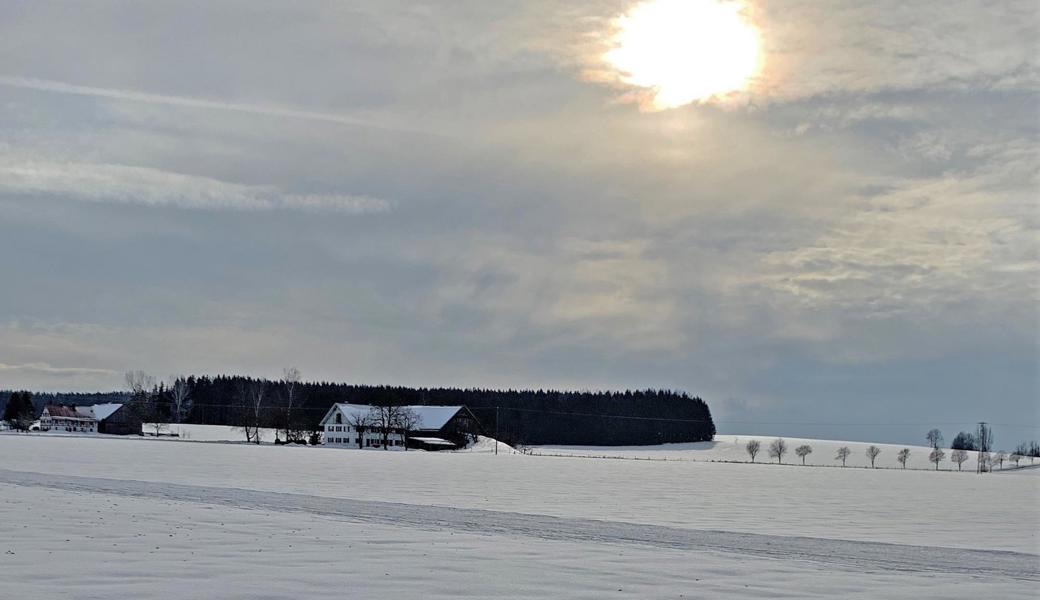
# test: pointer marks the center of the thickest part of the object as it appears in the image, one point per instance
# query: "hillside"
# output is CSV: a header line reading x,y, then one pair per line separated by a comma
x,y
732,448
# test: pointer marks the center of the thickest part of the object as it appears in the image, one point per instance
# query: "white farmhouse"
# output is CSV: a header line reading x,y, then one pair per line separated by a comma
x,y
348,425
351,425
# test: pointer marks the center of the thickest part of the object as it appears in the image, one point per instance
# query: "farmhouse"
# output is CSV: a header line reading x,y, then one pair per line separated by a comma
x,y
59,417
111,418
435,427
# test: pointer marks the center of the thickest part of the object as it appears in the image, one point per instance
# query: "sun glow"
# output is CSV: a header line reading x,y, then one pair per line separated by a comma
x,y
684,51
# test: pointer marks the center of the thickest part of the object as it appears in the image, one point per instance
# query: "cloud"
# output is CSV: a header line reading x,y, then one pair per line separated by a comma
x,y
156,187
60,87
869,217
41,368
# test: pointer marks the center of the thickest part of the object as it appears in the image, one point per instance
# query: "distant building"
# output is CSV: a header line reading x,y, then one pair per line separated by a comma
x,y
438,428
59,417
116,419
111,418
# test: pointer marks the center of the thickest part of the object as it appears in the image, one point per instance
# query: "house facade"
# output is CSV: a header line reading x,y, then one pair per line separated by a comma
x,y
76,419
350,425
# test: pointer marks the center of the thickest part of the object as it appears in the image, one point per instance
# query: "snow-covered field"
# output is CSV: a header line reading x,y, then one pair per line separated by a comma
x,y
210,433
95,517
732,448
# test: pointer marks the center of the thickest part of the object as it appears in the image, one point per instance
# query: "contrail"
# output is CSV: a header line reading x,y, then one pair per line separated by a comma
x,y
60,87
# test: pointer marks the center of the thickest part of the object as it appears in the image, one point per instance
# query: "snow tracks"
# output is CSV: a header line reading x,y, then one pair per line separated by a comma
x,y
855,555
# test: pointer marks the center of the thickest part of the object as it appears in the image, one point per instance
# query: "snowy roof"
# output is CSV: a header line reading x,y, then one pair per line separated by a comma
x,y
434,417
104,411
430,417
432,441
349,411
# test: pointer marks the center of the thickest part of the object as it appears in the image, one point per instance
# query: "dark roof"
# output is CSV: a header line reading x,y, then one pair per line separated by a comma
x,y
60,410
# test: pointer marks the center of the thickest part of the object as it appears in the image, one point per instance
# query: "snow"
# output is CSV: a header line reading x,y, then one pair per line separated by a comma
x,y
485,445
433,441
157,518
210,433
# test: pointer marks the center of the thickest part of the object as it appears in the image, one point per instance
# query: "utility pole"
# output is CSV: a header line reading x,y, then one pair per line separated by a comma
x,y
984,441
496,431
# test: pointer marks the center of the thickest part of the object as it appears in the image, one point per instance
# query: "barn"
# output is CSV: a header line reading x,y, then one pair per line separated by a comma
x,y
443,427
116,419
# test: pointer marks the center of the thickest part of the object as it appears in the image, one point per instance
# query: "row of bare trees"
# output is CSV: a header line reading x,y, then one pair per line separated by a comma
x,y
778,448
158,404
981,443
257,410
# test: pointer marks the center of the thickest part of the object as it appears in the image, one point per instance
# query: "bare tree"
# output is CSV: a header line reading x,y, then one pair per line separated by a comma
x,y
144,400
752,448
250,418
360,422
139,382
392,419
292,428
1015,457
999,458
803,451
903,456
843,454
959,456
778,449
406,421
936,457
180,394
934,437
872,454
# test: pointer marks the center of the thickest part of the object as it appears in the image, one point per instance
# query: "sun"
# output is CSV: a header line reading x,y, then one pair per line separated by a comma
x,y
684,51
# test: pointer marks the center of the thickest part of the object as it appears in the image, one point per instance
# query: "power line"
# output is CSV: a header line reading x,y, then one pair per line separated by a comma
x,y
860,424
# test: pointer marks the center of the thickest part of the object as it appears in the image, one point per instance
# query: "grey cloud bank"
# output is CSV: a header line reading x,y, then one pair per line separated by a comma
x,y
425,194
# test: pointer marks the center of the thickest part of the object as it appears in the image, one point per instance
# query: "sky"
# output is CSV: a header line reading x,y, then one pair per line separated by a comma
x,y
469,194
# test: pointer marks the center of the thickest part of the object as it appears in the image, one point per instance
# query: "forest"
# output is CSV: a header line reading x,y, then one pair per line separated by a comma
x,y
519,417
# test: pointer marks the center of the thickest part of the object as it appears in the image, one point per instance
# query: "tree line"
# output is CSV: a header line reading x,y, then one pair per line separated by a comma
x,y
518,417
